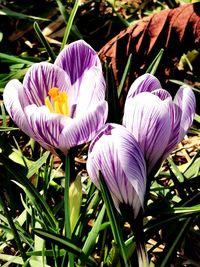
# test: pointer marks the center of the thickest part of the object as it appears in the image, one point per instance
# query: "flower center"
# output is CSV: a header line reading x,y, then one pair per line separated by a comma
x,y
59,100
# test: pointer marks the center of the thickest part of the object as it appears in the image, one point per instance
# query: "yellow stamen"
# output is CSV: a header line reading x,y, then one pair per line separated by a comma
x,y
48,104
53,92
59,100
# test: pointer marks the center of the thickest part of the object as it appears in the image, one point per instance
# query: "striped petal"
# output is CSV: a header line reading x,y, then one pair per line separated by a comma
x,y
147,117
175,116
91,91
46,126
162,94
39,79
76,58
12,104
83,128
117,155
185,100
144,83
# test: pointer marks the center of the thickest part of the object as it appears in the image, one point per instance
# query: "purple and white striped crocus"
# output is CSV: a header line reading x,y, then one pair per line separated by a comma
x,y
157,121
115,152
60,105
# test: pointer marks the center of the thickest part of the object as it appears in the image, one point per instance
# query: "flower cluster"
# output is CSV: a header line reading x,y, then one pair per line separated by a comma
x,y
62,105
153,124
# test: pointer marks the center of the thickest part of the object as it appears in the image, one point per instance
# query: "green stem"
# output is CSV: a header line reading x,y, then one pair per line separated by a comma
x,y
66,203
12,226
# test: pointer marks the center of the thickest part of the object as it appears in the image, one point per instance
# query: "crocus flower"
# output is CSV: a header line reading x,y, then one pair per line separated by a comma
x,y
60,105
116,153
157,121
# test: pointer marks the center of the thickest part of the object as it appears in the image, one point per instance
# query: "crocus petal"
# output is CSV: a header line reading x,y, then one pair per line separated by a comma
x,y
46,126
144,83
162,94
12,104
117,155
91,91
185,100
39,79
147,117
76,58
83,128
175,116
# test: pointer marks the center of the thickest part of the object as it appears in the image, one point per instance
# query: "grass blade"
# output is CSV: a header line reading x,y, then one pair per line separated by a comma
x,y
63,243
69,24
12,226
37,164
11,13
19,173
44,41
91,240
155,63
15,59
182,83
126,71
111,211
175,243
176,171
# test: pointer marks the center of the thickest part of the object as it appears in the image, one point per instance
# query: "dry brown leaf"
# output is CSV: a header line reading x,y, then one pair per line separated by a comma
x,y
176,30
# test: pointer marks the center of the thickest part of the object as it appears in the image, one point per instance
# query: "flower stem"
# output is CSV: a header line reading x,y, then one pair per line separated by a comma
x,y
66,203
13,228
137,227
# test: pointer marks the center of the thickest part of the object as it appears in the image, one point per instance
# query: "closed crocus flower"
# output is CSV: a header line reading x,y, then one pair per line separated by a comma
x,y
60,105
157,121
115,153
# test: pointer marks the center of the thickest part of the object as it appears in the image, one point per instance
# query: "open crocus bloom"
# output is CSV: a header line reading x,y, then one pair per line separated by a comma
x,y
157,121
116,153
60,105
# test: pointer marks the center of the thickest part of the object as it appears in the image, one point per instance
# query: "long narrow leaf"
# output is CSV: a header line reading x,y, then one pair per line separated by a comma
x,y
69,24
155,63
42,207
177,239
111,211
182,83
63,243
126,71
11,13
64,13
44,41
12,226
37,164
91,239
176,171
7,129
15,59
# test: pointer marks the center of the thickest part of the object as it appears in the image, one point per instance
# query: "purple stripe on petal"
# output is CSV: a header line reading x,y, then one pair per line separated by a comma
x,y
185,100
175,115
117,155
147,118
162,94
40,78
76,58
83,128
46,126
11,95
145,83
91,90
